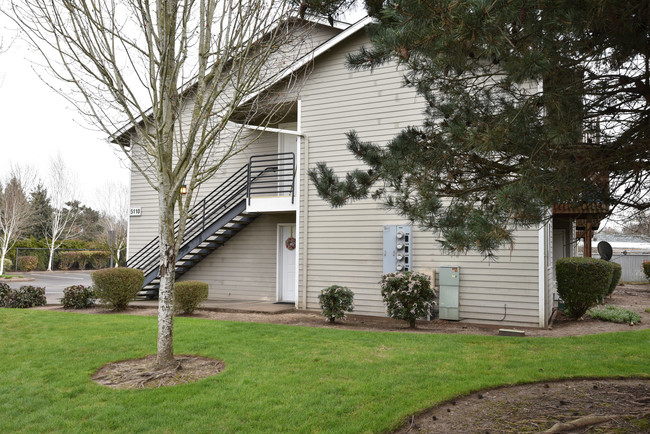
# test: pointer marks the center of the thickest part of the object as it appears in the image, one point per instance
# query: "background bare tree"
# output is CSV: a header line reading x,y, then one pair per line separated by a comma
x,y
15,209
61,225
176,72
113,204
637,223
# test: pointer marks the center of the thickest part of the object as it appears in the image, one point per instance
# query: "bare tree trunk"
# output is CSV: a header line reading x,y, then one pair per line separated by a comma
x,y
130,74
49,262
2,262
168,253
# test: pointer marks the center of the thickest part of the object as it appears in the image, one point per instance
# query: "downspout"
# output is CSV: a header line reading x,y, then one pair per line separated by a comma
x,y
128,221
299,202
541,278
305,226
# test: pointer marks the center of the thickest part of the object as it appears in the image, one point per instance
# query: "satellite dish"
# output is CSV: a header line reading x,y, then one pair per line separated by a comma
x,y
605,250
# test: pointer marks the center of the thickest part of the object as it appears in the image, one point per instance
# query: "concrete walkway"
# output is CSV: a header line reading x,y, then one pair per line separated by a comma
x,y
55,281
231,306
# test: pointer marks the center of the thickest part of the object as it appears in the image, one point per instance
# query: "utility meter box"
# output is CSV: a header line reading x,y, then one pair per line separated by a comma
x,y
449,280
398,248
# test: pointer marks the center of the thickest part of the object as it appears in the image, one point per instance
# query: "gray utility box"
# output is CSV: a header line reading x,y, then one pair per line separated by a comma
x,y
449,279
397,248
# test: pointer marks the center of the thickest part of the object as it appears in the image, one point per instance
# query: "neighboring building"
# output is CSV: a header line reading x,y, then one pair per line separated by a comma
x,y
623,244
285,244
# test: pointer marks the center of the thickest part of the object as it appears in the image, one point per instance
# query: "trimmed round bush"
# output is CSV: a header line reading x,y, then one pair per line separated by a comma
x,y
26,296
407,295
188,295
8,265
27,263
335,301
4,291
116,287
78,297
582,283
617,272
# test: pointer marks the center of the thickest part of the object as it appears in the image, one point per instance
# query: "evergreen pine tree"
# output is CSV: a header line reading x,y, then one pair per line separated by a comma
x,y
528,104
42,213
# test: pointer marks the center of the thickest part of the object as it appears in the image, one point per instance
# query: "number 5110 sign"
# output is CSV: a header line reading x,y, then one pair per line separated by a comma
x,y
135,212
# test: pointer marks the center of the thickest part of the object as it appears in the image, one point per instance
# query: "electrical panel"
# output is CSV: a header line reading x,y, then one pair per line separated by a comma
x,y
449,279
398,248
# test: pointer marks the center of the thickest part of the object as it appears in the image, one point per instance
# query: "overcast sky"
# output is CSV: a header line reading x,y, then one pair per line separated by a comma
x,y
36,123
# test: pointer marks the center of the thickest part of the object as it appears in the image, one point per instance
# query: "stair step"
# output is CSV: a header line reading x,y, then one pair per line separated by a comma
x,y
215,244
226,233
224,225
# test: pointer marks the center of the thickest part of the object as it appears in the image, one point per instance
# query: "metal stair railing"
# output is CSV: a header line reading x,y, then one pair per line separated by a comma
x,y
272,175
222,198
263,174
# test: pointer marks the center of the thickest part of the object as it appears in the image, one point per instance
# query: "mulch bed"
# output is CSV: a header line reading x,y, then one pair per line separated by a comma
x,y
141,374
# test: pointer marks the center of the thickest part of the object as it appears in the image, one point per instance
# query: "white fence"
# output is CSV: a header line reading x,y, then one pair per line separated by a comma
x,y
632,266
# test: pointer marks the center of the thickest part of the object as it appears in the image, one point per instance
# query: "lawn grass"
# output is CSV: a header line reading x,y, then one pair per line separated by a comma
x,y
277,378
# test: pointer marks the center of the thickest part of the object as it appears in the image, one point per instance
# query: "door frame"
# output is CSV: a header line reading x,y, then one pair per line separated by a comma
x,y
279,264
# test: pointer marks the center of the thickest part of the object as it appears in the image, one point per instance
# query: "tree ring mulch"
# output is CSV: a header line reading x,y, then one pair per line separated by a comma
x,y
598,405
140,373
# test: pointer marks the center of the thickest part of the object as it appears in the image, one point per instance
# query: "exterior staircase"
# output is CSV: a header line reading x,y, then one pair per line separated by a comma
x,y
211,222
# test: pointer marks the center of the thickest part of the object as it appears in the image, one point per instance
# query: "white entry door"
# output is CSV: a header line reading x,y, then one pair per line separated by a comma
x,y
287,263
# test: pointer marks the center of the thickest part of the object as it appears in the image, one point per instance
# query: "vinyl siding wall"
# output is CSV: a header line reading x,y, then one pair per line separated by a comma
x,y
245,267
344,246
144,228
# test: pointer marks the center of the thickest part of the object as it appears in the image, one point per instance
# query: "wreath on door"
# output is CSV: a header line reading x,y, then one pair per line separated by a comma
x,y
290,243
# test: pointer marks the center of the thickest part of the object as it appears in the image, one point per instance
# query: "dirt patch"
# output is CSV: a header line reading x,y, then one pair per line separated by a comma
x,y
633,297
623,406
140,373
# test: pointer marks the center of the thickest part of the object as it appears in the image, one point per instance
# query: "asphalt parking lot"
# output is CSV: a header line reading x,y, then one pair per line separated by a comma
x,y
54,282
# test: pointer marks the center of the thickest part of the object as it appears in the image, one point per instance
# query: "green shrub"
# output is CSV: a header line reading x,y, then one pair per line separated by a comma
x,y
27,263
614,314
581,283
26,296
83,258
78,297
116,287
67,260
335,301
407,295
617,271
4,291
8,264
99,259
646,269
188,295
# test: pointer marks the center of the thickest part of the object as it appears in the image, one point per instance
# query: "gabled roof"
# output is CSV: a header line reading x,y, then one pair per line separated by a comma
x,y
300,63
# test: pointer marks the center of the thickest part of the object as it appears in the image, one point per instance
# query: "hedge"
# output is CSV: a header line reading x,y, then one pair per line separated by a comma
x,y
582,282
27,263
188,295
81,259
116,287
617,272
